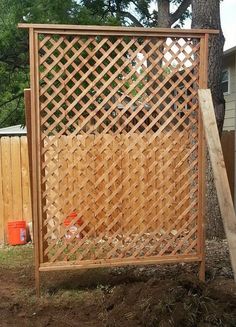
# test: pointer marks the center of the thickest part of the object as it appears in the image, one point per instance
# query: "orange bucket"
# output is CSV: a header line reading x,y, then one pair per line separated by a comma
x,y
70,218
74,224
17,232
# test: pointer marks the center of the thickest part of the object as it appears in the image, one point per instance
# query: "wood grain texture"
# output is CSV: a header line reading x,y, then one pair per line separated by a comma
x,y
121,30
7,186
15,202
202,158
219,171
25,181
16,178
33,161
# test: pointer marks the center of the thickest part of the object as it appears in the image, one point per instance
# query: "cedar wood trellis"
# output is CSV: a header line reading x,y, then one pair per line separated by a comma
x,y
116,135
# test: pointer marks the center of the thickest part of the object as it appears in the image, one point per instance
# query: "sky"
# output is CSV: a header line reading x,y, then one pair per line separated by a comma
x,y
228,22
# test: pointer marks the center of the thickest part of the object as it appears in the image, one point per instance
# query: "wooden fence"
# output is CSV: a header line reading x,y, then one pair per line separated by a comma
x,y
166,180
15,203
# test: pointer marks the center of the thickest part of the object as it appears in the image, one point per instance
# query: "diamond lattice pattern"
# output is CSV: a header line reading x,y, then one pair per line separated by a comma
x,y
119,135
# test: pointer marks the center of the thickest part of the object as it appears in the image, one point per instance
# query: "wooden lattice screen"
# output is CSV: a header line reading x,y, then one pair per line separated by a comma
x,y
117,145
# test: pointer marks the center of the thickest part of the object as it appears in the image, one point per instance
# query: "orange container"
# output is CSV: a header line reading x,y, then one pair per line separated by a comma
x,y
73,224
70,218
17,232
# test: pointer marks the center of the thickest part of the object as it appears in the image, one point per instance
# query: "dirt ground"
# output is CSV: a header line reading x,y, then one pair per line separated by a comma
x,y
152,296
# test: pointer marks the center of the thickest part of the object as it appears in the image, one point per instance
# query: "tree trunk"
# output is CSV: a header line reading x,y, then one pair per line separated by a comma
x,y
206,14
163,13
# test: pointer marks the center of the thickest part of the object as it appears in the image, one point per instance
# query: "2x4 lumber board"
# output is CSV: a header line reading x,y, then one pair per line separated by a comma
x,y
33,160
219,171
201,157
115,263
144,33
121,30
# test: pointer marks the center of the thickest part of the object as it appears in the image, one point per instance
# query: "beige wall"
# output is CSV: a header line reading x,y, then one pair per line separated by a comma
x,y
229,62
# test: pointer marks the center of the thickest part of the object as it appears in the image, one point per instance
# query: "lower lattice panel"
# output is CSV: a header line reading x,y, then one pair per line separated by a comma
x,y
114,197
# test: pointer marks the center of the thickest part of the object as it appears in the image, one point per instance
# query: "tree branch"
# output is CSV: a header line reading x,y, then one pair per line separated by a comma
x,y
13,111
131,17
12,99
136,4
180,11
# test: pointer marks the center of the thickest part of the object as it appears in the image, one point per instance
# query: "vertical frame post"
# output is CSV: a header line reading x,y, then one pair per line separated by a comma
x,y
38,145
34,180
203,73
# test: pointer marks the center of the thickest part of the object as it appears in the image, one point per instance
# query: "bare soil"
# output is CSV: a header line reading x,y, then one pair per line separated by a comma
x,y
152,296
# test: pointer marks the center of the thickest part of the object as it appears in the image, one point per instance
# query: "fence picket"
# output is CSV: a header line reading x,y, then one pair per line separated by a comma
x,y
25,180
16,178
15,203
6,181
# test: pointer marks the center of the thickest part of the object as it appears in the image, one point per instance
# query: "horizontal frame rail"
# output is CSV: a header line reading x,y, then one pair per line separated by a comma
x,y
116,263
113,30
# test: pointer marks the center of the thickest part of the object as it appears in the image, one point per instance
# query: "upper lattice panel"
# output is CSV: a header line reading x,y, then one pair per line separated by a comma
x,y
116,84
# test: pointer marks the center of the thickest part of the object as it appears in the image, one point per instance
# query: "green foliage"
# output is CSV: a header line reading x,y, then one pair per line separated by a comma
x,y
139,10
14,58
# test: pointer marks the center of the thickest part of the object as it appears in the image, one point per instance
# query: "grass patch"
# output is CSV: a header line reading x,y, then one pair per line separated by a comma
x,y
16,256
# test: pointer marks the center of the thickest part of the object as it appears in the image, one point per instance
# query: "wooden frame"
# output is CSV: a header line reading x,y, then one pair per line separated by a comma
x,y
107,160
